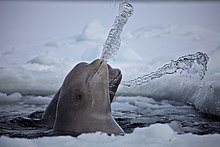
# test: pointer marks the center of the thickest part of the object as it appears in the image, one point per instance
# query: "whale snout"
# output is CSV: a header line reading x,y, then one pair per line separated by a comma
x,y
98,63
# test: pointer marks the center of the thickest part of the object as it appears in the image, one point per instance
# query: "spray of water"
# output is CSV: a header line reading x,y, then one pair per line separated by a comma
x,y
197,61
113,40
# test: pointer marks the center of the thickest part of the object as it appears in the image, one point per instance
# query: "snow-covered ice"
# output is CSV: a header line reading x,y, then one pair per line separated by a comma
x,y
156,135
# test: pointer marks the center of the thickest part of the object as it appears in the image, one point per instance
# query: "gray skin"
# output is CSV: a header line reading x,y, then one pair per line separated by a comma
x,y
82,105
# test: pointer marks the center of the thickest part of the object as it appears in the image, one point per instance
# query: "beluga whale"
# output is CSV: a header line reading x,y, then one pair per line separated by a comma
x,y
83,103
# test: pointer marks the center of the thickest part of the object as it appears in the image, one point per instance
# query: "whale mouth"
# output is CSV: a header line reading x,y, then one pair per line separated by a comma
x,y
112,75
115,79
113,84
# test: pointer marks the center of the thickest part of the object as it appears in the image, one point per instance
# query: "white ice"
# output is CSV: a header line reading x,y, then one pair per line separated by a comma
x,y
157,135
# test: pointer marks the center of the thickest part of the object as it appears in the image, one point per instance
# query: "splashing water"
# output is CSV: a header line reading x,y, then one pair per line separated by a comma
x,y
196,61
113,40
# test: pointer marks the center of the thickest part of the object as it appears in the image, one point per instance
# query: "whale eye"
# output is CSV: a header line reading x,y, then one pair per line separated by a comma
x,y
77,101
79,97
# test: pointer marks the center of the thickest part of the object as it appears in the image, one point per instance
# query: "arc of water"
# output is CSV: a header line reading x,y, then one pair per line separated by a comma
x,y
182,63
113,41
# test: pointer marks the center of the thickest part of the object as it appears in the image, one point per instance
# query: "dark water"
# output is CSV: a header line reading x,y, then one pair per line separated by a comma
x,y
23,120
182,118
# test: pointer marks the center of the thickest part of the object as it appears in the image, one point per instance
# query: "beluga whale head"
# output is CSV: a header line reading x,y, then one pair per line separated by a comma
x,y
84,103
